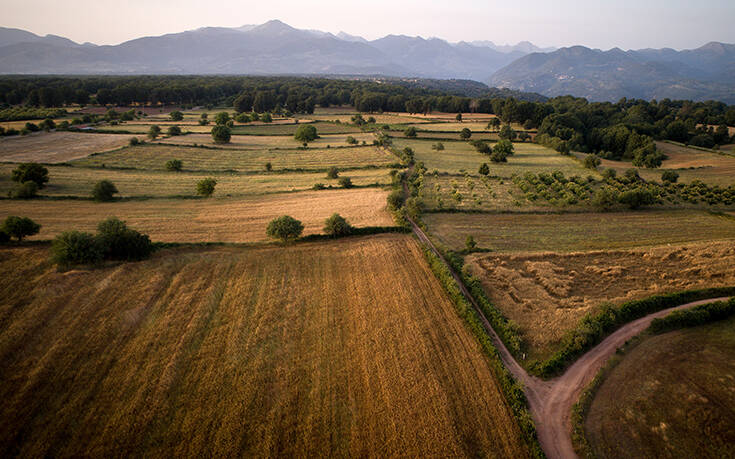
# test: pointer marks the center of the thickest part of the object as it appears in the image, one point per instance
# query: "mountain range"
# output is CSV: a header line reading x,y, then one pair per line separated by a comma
x,y
275,48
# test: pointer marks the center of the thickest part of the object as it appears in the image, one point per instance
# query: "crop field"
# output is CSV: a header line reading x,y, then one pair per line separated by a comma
x,y
252,352
57,147
440,116
681,406
459,157
490,136
76,181
451,126
141,129
154,157
290,129
245,142
547,294
473,193
569,232
379,118
219,219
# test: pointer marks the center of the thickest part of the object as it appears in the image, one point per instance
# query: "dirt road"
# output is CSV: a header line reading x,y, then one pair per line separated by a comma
x,y
550,402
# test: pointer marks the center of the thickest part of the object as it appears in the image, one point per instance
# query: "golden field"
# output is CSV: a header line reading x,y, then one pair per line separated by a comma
x,y
207,220
57,147
296,351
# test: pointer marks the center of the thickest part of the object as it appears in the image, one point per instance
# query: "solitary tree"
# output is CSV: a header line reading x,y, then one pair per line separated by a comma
x,y
484,169
306,133
470,243
221,134
243,103
20,227
410,132
176,115
154,131
501,151
174,131
285,228
268,166
336,225
465,134
332,173
221,118
30,172
174,165
103,191
205,187
459,117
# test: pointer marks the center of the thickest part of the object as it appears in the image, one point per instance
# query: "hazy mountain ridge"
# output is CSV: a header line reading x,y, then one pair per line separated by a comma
x,y
698,74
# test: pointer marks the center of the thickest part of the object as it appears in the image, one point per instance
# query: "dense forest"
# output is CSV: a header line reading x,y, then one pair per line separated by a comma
x,y
622,130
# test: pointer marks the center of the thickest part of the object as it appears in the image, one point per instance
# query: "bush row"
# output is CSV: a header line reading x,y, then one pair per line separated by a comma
x,y
511,388
698,315
594,328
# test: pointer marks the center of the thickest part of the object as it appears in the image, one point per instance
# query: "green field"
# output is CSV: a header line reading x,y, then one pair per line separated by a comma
x,y
458,157
682,405
578,231
154,157
77,181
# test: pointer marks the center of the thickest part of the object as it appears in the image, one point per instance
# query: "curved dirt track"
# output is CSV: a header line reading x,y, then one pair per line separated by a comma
x,y
550,402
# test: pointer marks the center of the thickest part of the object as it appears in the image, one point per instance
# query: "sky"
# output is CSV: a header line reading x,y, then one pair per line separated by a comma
x,y
627,24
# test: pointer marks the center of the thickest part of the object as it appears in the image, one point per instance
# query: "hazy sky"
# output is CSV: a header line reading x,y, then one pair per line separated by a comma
x,y
596,23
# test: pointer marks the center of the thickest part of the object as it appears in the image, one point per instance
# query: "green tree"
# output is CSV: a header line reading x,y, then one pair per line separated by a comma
x,y
134,141
174,131
507,132
395,200
20,227
345,182
122,243
221,118
243,103
306,133
410,132
268,166
605,198
174,165
501,151
592,161
351,140
30,172
336,226
76,248
103,191
458,117
669,176
266,118
205,187
465,134
154,131
484,169
285,228
221,134
176,115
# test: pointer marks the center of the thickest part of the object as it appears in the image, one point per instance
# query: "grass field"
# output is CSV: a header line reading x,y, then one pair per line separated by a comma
x,y
682,405
290,129
268,142
57,147
578,231
451,126
77,181
259,352
473,193
547,294
458,157
440,136
379,118
154,157
219,219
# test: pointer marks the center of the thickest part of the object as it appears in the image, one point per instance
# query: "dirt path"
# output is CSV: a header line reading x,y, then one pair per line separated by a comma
x,y
550,402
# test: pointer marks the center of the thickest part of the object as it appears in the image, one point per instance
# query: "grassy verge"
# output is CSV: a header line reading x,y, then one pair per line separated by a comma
x,y
594,328
512,389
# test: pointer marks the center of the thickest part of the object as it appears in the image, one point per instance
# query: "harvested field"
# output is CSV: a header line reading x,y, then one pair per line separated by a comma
x,y
547,294
247,352
290,129
459,157
682,404
245,142
473,193
140,129
77,181
208,220
379,118
441,136
154,157
451,126
579,231
57,147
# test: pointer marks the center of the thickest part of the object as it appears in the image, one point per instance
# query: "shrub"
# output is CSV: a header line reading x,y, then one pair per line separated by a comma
x,y
74,247
336,226
332,173
609,174
242,118
484,169
285,228
319,186
395,200
438,146
173,131
119,242
636,198
221,118
176,115
221,134
268,166
501,151
134,141
154,132
205,187
670,176
20,227
174,165
103,191
592,161
345,182
351,140
507,132
306,133
605,198
470,244
696,316
410,132
25,190
30,172
465,134
266,118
